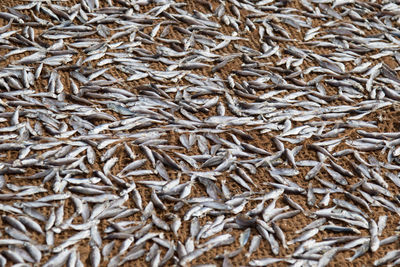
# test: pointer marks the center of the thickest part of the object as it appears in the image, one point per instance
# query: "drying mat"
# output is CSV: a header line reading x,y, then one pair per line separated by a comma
x,y
201,132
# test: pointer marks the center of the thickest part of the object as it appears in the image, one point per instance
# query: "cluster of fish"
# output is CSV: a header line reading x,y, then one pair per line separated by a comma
x,y
193,133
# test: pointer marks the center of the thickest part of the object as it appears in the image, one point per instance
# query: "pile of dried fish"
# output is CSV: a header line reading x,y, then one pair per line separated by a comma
x,y
188,133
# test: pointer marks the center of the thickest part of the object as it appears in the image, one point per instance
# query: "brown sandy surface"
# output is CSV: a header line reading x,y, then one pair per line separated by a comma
x,y
387,122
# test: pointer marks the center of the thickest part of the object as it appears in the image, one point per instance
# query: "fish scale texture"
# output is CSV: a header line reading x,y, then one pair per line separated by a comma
x,y
199,133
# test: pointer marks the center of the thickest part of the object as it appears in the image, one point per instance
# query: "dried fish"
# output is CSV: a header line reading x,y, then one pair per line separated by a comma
x,y
111,112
